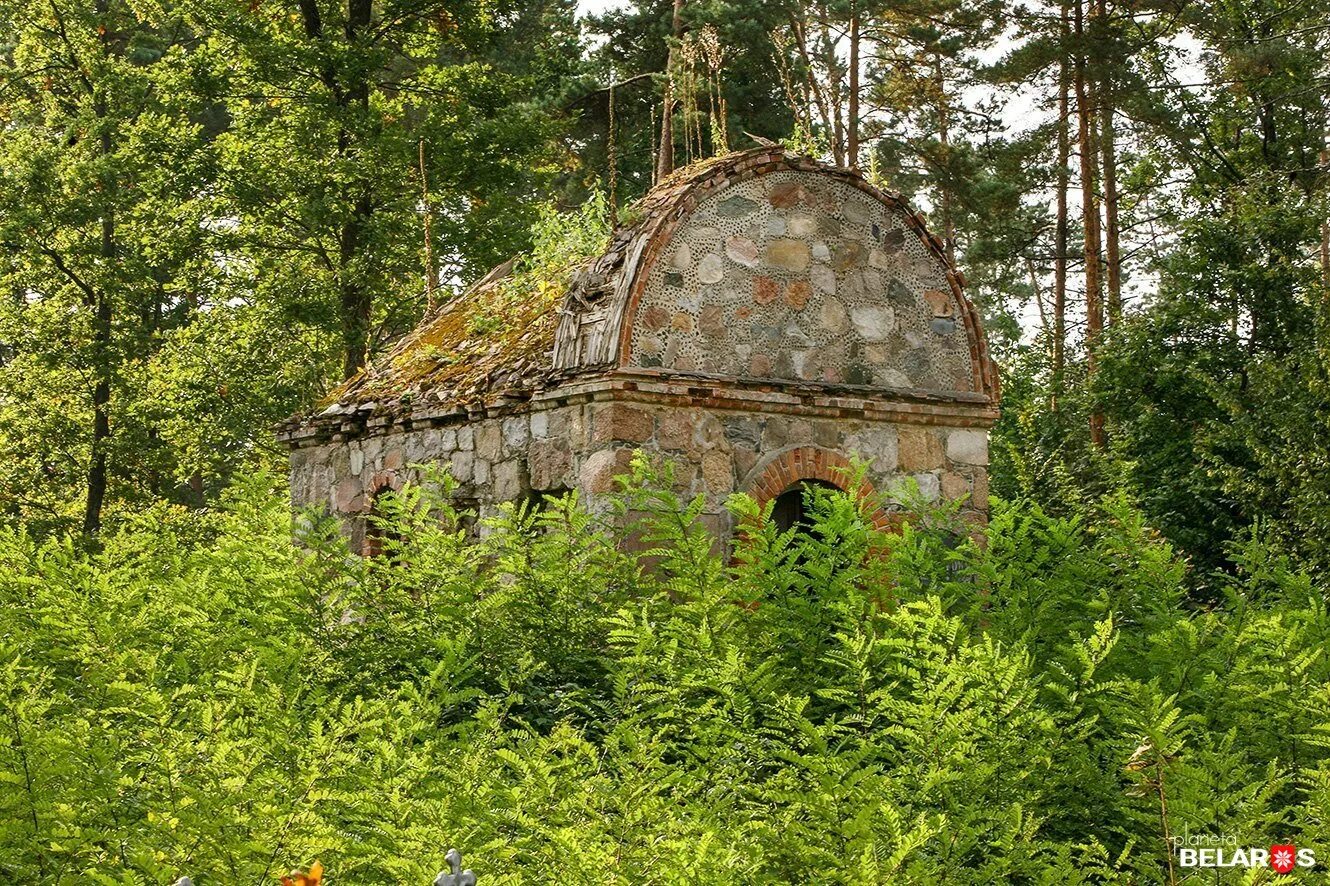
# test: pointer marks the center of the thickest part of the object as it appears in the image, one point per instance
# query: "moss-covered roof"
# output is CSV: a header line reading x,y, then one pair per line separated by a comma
x,y
494,337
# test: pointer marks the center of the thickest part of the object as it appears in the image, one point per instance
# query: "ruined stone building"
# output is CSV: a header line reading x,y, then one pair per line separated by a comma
x,y
762,320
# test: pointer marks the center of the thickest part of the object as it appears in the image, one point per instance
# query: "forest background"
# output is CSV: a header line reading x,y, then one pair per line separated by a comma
x,y
214,211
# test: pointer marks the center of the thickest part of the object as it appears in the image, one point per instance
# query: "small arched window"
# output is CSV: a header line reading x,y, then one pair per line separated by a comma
x,y
791,510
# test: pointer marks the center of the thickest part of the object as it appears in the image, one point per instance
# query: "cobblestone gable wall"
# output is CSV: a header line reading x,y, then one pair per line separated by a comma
x,y
584,446
803,277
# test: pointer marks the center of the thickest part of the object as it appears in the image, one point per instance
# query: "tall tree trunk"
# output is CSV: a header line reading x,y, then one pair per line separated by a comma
x,y
852,124
356,299
799,31
1325,227
101,321
1060,236
1108,149
1094,311
944,142
665,156
431,269
832,65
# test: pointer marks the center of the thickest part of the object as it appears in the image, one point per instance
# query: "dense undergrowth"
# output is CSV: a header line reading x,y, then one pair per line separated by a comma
x,y
205,696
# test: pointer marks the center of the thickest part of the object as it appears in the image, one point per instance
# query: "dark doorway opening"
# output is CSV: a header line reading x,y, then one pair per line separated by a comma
x,y
791,508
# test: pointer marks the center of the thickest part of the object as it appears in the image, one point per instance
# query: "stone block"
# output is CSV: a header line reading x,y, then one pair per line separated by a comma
x,y
393,459
540,425
674,430
711,269
481,472
876,444
786,254
600,468
421,446
765,290
516,432
711,321
797,294
929,486
801,432
550,463
827,435
620,423
489,441
655,317
718,471
462,466
801,226
509,481
742,251
824,278
979,480
787,194
744,460
357,461
849,254
939,302
833,315
968,446
918,449
873,322
743,431
349,496
954,485
466,438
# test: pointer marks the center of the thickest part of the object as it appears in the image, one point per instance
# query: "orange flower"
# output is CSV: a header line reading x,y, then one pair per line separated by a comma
x,y
313,878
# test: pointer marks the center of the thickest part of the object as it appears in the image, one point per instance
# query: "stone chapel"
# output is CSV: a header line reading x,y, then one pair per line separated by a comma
x,y
764,319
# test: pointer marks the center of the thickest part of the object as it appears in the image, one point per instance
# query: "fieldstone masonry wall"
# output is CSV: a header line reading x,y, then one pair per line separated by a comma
x,y
584,446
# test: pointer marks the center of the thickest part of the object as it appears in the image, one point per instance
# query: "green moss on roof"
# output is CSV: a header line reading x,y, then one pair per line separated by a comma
x,y
497,337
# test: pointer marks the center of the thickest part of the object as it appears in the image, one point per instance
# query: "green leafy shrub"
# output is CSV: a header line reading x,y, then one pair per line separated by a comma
x,y
222,697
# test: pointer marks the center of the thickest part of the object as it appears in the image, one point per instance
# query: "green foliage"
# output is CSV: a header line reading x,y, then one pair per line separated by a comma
x,y
613,700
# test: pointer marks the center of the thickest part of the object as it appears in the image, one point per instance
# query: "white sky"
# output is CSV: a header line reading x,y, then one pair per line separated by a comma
x,y
587,6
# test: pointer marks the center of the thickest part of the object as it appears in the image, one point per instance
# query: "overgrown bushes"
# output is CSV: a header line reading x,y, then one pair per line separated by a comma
x,y
205,696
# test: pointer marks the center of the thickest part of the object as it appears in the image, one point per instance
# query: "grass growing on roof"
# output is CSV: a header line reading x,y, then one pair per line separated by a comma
x,y
500,324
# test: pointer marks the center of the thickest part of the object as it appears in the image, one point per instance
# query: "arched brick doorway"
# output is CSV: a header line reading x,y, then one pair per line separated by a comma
x,y
789,471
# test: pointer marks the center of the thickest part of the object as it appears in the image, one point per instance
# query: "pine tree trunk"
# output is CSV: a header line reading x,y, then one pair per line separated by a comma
x,y
1060,236
853,122
1325,229
944,142
832,65
1094,311
1108,148
665,156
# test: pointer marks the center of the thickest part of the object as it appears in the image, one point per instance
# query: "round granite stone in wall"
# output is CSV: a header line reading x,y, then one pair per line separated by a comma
x,y
798,276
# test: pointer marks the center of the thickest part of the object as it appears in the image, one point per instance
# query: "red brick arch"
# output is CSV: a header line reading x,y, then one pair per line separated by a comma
x,y
814,463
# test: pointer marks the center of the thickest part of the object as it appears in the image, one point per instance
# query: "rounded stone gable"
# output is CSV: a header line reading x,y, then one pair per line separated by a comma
x,y
799,276
766,266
